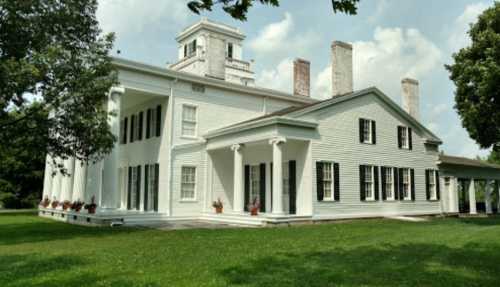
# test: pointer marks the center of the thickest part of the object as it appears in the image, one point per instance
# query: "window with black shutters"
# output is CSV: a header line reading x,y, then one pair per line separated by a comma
x,y
404,137
388,190
369,182
327,181
230,50
367,131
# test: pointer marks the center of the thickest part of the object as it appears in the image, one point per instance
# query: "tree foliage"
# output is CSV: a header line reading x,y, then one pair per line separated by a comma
x,y
238,9
22,162
476,74
52,52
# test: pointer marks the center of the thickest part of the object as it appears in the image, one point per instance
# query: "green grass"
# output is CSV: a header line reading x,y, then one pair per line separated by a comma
x,y
442,252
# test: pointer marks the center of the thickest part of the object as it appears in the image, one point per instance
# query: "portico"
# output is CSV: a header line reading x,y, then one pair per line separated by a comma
x,y
245,171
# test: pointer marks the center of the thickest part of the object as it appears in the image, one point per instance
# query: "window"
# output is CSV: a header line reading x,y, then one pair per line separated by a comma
x,y
151,123
138,128
230,50
134,187
389,183
191,49
328,180
151,174
189,121
404,137
432,185
367,131
406,192
188,182
254,183
369,183
432,181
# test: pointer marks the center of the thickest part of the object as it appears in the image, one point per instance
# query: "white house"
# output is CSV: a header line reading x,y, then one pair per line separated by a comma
x,y
200,130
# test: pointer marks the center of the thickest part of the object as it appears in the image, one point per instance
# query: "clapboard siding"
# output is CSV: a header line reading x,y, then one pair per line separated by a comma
x,y
339,142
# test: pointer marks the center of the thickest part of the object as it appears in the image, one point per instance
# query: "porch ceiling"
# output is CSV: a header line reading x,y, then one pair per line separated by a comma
x,y
134,97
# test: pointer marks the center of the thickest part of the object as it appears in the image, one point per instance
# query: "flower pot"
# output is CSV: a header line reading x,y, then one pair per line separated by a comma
x,y
218,210
77,209
254,212
91,210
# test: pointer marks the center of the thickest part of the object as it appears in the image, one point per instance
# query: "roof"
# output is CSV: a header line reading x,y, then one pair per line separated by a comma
x,y
212,82
463,161
294,112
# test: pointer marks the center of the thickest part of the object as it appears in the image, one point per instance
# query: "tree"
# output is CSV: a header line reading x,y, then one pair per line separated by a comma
x,y
238,9
52,52
476,74
22,162
494,156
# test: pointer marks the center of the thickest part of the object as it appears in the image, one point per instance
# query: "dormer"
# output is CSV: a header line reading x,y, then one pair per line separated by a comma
x,y
213,50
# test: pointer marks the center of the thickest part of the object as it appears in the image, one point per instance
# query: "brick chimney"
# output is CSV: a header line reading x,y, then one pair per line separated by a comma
x,y
342,82
411,101
301,78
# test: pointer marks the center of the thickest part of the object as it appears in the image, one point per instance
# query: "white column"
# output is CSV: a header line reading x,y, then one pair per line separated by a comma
x,y
110,189
56,182
79,181
67,180
453,195
472,197
238,192
487,196
47,178
277,175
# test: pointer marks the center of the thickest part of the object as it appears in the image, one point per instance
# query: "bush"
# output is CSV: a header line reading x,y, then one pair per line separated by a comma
x,y
11,201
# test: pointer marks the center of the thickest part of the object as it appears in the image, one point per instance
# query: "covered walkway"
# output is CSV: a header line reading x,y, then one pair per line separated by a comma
x,y
469,186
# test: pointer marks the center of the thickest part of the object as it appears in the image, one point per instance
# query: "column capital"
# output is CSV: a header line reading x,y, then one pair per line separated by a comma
x,y
236,147
277,140
117,90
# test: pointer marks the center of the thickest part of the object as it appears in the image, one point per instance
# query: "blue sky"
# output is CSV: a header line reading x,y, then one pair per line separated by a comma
x,y
392,39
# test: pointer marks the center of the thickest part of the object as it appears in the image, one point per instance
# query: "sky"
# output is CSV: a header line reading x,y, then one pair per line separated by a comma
x,y
392,39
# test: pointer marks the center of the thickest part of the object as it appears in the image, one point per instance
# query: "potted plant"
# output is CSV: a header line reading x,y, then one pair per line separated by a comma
x,y
77,206
45,202
66,205
218,205
54,203
91,206
254,207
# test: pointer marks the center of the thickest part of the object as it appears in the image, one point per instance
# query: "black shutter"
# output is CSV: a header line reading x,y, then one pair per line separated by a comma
x,y
361,133
319,181
362,192
141,124
185,51
146,193
427,184
262,187
401,195
157,186
396,183
336,182
400,136
375,174
125,128
410,144
138,194
247,186
438,185
132,127
374,132
383,171
158,120
293,187
129,189
412,174
148,123
271,171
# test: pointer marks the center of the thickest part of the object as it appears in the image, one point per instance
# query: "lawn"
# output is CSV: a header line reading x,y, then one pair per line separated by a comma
x,y
442,252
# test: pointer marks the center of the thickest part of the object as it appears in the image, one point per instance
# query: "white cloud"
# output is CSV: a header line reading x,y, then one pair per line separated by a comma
x,y
279,78
458,37
382,6
133,17
393,54
273,35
